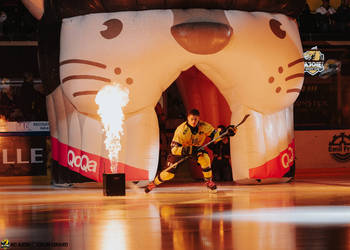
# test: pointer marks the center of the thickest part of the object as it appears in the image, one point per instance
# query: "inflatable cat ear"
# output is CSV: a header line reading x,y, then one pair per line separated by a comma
x,y
251,50
36,7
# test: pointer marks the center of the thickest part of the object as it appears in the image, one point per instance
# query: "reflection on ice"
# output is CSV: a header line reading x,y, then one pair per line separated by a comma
x,y
331,215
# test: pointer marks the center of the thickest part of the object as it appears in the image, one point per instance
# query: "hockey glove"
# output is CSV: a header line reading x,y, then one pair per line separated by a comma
x,y
196,151
186,150
222,130
232,130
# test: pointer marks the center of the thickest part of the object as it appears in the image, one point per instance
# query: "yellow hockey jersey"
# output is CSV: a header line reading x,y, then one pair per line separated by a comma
x,y
186,136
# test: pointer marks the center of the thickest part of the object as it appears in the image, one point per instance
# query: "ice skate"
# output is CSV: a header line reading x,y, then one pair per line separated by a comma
x,y
211,186
149,187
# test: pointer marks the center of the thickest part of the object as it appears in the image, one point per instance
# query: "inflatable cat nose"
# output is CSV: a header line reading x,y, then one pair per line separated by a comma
x,y
202,37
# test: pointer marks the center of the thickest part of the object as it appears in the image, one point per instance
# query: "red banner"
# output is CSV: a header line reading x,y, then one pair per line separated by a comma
x,y
277,167
91,165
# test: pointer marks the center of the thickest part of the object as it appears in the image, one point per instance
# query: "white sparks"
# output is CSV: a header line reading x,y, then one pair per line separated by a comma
x,y
111,99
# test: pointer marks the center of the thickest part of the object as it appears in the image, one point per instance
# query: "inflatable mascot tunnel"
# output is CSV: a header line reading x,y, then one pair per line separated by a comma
x,y
250,50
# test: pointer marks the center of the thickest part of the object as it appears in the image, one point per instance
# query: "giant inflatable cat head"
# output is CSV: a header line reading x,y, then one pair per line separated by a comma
x,y
251,50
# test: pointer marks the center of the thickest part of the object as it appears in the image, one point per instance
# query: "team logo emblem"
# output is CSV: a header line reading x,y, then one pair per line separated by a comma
x,y
314,61
339,147
5,244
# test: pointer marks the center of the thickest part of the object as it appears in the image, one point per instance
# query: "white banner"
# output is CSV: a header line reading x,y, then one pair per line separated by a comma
x,y
36,126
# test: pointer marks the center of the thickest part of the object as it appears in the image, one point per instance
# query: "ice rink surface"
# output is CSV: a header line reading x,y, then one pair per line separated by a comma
x,y
304,214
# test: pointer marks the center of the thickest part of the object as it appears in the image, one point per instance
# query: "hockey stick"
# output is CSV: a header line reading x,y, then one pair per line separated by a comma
x,y
174,165
243,120
223,134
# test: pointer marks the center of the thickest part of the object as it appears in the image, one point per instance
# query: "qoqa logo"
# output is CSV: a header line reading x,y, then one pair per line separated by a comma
x,y
82,162
287,158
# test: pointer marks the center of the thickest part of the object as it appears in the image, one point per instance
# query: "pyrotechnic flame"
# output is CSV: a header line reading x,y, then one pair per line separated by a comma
x,y
111,99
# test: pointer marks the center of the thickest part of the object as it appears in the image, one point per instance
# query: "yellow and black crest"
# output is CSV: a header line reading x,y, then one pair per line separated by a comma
x,y
314,61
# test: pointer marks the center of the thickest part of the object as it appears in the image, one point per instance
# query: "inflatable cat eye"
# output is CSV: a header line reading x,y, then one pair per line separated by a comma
x,y
251,50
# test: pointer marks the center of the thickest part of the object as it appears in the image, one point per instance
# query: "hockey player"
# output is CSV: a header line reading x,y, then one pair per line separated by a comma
x,y
188,138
